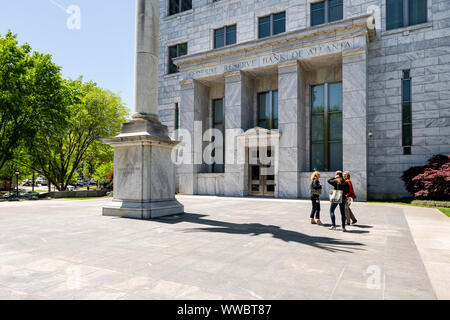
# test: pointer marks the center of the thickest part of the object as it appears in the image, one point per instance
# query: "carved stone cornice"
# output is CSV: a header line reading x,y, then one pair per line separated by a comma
x,y
338,30
232,74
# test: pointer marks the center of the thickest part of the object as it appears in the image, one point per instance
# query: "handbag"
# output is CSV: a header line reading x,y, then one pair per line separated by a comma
x,y
313,191
336,196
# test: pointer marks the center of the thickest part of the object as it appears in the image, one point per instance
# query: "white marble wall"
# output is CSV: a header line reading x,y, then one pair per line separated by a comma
x,y
187,171
289,126
235,115
354,114
423,49
211,184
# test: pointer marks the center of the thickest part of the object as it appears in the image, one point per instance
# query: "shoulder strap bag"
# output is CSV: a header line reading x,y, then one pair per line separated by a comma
x,y
336,196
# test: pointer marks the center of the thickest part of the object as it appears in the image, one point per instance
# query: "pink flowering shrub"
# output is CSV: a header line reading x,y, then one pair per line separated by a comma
x,y
431,181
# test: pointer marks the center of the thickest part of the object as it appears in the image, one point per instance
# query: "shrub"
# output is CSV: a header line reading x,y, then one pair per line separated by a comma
x,y
109,184
431,181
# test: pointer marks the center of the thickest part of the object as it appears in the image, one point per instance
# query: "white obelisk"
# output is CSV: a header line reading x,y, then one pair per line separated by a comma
x,y
146,73
144,185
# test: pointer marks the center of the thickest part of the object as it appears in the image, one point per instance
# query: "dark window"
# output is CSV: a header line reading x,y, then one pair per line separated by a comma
x,y
403,13
326,127
177,117
279,23
317,13
224,36
406,113
335,10
264,27
219,38
272,25
268,110
230,35
417,12
218,123
177,6
326,11
394,14
174,52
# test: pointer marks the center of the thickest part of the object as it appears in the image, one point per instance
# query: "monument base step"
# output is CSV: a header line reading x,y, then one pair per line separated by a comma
x,y
142,210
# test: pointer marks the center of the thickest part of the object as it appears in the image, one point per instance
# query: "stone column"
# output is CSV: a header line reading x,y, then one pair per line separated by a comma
x,y
187,170
194,116
235,121
290,154
146,64
354,140
144,184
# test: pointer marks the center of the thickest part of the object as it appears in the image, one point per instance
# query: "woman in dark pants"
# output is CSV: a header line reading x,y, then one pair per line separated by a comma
x,y
338,183
315,191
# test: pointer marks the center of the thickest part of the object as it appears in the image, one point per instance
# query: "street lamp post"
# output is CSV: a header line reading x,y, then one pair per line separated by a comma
x,y
17,181
32,183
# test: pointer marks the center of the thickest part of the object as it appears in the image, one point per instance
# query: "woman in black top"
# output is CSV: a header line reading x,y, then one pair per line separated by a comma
x,y
338,183
315,191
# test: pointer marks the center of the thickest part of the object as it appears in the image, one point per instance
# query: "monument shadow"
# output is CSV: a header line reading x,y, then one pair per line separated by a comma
x,y
256,229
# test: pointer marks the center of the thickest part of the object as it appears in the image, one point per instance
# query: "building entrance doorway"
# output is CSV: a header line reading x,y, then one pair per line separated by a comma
x,y
261,178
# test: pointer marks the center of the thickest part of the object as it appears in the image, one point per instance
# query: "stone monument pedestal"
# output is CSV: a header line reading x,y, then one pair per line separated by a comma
x,y
144,174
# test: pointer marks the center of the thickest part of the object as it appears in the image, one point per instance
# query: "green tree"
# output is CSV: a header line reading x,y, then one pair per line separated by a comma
x,y
58,151
9,169
99,162
32,95
102,171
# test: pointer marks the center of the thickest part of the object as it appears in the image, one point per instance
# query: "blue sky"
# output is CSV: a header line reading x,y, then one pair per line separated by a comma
x,y
102,49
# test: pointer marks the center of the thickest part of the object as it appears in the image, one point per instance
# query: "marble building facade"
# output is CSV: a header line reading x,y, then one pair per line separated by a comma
x,y
359,64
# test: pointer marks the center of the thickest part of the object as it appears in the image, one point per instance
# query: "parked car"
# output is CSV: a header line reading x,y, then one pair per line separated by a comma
x,y
81,183
8,195
13,194
41,181
93,182
70,188
28,182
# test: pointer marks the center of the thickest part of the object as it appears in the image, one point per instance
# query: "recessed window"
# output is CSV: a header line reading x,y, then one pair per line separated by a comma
x,y
177,117
177,6
403,13
218,124
326,127
326,11
272,25
176,51
268,110
406,113
224,36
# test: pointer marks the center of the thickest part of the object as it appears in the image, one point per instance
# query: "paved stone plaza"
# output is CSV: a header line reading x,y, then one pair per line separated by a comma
x,y
222,248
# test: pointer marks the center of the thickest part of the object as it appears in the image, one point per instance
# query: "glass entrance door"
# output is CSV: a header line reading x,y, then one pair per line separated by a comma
x,y
261,180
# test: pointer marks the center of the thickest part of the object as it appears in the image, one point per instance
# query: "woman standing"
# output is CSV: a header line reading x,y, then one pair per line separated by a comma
x,y
349,197
315,190
338,183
